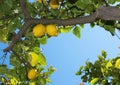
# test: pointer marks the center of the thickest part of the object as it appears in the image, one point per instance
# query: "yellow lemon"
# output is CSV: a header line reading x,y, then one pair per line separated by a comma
x,y
32,74
117,64
34,58
54,4
42,1
52,30
39,30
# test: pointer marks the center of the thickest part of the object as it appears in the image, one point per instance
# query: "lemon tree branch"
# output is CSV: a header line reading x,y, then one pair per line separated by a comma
x,y
105,13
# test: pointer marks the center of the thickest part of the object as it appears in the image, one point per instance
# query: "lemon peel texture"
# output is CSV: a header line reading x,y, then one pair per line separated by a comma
x,y
52,30
39,30
32,74
54,4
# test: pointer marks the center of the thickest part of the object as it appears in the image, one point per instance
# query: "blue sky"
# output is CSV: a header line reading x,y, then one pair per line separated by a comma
x,y
67,53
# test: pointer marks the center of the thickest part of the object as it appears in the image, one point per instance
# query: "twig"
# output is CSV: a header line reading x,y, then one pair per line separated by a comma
x,y
24,9
4,56
26,64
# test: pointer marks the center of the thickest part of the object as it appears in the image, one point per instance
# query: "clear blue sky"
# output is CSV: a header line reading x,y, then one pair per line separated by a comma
x,y
67,53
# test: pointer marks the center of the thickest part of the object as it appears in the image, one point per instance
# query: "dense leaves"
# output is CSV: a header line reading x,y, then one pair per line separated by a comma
x,y
103,71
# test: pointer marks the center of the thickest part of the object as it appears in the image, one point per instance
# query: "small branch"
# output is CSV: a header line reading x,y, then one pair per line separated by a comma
x,y
17,37
4,57
24,9
21,59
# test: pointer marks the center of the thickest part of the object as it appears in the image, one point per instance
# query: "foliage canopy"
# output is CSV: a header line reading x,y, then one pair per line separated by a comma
x,y
19,17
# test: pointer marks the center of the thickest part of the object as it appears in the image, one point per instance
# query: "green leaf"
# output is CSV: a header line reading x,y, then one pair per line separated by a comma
x,y
50,71
118,0
90,8
43,40
92,24
36,49
78,73
66,29
43,81
93,81
104,54
3,33
14,61
110,28
111,1
82,25
42,59
3,69
118,25
81,4
76,31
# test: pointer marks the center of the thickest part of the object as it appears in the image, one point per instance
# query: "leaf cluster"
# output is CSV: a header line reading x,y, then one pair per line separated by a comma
x,y
101,72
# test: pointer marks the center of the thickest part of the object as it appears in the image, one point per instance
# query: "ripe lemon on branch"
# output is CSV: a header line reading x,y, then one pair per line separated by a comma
x,y
39,30
32,74
54,4
52,30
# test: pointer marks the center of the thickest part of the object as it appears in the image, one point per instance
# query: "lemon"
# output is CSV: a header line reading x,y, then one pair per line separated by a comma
x,y
52,30
39,30
54,4
32,74
34,58
40,1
